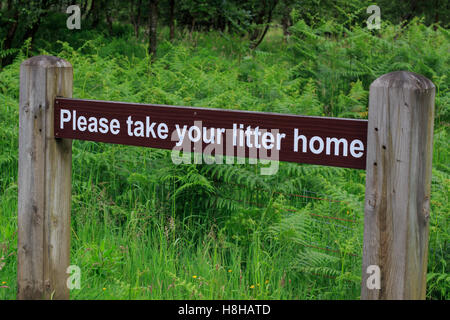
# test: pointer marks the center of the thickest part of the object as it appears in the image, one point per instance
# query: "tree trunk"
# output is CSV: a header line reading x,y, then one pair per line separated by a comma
x,y
153,23
171,19
259,21
31,32
257,32
109,21
135,15
83,7
9,38
286,20
86,9
11,31
96,4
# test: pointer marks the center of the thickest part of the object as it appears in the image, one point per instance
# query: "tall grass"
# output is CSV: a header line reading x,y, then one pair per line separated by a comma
x,y
144,228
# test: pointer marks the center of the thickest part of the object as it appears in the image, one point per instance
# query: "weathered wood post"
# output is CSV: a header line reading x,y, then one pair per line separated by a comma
x,y
398,183
44,182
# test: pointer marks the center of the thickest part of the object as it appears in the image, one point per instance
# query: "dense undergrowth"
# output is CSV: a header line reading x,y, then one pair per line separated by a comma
x,y
143,227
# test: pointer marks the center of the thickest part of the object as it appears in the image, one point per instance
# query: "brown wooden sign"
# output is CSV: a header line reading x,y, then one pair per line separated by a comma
x,y
256,135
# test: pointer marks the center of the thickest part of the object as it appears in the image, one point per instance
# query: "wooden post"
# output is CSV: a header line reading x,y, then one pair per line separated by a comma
x,y
398,183
44,182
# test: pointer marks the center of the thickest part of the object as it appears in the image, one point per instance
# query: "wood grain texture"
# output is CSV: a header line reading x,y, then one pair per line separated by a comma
x,y
44,182
398,184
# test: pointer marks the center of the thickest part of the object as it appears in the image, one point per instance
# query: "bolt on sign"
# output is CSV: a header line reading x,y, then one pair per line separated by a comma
x,y
302,139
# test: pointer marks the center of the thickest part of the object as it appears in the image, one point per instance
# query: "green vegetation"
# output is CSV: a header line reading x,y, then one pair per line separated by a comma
x,y
144,228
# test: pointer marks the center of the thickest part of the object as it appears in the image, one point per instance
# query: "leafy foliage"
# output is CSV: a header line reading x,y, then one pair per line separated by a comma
x,y
143,227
